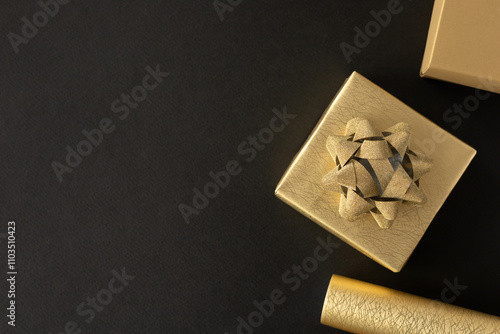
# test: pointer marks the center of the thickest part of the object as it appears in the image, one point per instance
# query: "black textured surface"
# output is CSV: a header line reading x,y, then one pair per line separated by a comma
x,y
119,207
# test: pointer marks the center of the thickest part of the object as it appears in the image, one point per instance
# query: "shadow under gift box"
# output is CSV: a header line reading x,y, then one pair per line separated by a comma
x,y
301,186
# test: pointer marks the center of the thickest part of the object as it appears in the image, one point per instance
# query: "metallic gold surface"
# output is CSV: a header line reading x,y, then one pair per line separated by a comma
x,y
463,45
360,307
376,171
301,185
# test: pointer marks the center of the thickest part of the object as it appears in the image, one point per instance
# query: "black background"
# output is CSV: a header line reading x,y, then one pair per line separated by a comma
x,y
119,207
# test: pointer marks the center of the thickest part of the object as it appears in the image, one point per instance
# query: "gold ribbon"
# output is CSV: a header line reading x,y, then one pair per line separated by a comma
x,y
375,171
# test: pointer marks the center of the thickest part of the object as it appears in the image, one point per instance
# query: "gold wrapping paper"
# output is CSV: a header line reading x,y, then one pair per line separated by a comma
x,y
301,186
361,307
375,171
462,44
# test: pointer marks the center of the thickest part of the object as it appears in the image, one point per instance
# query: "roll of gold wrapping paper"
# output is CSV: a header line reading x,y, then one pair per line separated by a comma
x,y
361,307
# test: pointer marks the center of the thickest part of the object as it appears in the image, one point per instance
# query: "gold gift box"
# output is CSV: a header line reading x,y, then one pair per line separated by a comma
x,y
462,45
301,185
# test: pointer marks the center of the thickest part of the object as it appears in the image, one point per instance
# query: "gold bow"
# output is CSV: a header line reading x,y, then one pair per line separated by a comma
x,y
376,172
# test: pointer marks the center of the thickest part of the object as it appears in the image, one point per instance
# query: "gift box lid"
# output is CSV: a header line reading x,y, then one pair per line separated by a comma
x,y
463,44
